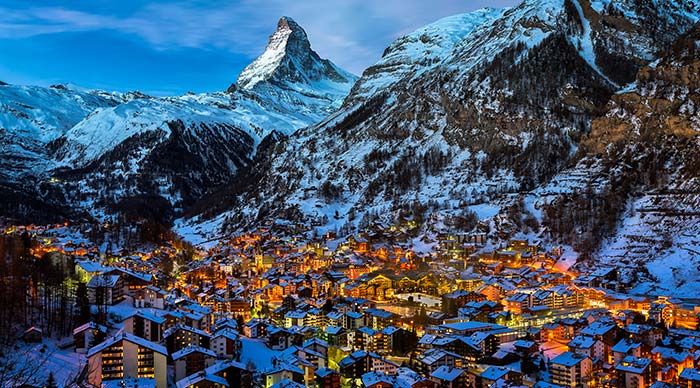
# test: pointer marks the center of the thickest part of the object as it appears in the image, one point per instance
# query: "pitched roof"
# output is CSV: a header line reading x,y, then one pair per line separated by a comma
x,y
103,281
494,373
568,359
192,349
447,373
633,364
122,335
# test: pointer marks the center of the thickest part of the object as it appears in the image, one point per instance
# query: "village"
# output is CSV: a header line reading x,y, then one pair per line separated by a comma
x,y
277,308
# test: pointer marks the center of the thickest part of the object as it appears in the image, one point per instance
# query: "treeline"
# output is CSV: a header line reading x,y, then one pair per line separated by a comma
x,y
37,291
586,217
406,173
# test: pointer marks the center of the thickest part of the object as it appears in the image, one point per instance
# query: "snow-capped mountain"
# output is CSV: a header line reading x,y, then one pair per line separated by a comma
x,y
97,149
31,117
290,64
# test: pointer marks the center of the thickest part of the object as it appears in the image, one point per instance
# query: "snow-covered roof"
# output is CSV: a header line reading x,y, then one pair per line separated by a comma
x,y
494,373
447,373
690,374
124,336
286,383
199,377
103,281
631,364
568,359
192,349
582,342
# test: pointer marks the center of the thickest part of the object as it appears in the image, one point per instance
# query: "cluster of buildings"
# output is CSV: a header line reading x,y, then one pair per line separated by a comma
x,y
369,311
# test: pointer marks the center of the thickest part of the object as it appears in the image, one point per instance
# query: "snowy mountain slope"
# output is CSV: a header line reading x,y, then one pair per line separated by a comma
x,y
504,111
632,199
31,117
419,51
132,145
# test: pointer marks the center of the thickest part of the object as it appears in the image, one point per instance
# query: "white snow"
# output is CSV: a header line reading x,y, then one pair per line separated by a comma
x,y
257,352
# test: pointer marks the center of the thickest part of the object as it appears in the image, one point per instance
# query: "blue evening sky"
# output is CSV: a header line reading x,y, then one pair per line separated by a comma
x,y
171,47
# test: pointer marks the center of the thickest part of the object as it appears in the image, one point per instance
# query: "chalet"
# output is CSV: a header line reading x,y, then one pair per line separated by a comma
x,y
255,328
452,301
408,378
378,319
87,269
447,377
179,337
360,362
690,378
335,335
430,360
627,347
282,371
203,380
222,374
375,379
647,334
327,378
635,372
226,343
570,369
672,361
149,296
606,332
317,345
498,374
295,318
525,348
353,320
587,346
280,339
132,281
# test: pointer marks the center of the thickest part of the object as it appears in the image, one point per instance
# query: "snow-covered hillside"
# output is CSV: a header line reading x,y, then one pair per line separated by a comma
x,y
415,53
31,117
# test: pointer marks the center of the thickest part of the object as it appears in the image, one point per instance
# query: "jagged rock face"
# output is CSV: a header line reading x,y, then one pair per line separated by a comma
x,y
662,102
644,152
91,150
501,108
288,62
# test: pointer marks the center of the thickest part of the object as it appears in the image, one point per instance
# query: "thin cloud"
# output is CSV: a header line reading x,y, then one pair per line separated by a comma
x,y
352,33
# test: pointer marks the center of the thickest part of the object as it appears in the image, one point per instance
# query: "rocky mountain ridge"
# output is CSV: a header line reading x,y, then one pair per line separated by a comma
x,y
93,149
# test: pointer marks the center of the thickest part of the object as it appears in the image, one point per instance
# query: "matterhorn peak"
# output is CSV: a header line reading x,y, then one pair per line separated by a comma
x,y
289,61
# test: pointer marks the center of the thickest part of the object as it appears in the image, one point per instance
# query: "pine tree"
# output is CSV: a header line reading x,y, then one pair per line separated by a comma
x,y
51,382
